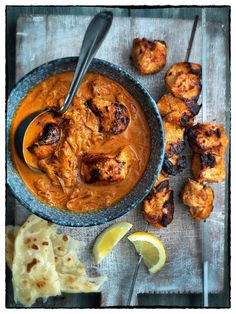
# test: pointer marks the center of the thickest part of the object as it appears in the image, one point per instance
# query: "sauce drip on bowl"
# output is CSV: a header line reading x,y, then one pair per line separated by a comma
x,y
91,156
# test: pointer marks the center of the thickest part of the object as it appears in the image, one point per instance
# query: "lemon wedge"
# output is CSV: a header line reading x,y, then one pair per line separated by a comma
x,y
105,242
151,249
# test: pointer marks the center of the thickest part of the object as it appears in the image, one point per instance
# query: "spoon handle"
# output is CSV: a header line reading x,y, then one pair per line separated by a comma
x,y
94,36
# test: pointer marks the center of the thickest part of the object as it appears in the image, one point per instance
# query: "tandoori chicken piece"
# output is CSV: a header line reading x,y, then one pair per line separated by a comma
x,y
174,165
183,80
177,111
149,56
158,207
208,168
113,117
105,168
46,143
199,198
207,138
63,166
163,176
174,138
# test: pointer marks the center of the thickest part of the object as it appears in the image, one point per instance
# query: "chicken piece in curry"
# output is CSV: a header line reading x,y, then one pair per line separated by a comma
x,y
207,138
149,56
208,168
199,198
92,155
105,168
183,80
113,117
46,144
158,207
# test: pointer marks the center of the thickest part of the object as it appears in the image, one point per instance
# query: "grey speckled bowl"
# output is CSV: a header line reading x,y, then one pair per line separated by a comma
x,y
143,187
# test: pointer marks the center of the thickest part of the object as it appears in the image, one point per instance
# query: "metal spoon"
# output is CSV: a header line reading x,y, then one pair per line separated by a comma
x,y
93,39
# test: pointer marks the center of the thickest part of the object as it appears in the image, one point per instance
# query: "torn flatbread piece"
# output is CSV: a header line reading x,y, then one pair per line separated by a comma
x,y
56,270
33,269
72,273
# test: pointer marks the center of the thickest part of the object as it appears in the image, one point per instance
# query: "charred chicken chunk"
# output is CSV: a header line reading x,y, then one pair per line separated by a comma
x,y
208,168
163,176
105,168
207,138
113,117
149,56
183,80
174,165
199,198
45,145
177,111
158,207
174,138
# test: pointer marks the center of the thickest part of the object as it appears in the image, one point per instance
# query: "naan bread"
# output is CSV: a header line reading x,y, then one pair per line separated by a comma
x,y
71,271
63,244
45,263
33,269
73,283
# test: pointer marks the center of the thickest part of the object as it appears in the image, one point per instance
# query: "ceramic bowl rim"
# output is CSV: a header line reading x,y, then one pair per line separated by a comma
x,y
56,215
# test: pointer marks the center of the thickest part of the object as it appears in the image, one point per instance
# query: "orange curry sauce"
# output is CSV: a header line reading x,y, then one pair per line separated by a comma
x,y
68,190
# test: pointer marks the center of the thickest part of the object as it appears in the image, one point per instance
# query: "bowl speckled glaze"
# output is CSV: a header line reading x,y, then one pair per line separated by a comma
x,y
116,73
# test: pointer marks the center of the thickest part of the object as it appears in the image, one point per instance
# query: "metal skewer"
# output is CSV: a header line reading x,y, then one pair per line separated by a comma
x,y
191,38
204,224
194,27
135,274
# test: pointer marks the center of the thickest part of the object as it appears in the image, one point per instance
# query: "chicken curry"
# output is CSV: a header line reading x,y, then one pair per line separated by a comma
x,y
92,155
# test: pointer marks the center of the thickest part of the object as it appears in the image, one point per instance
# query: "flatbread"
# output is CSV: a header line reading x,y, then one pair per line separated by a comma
x,y
71,272
73,283
33,269
45,263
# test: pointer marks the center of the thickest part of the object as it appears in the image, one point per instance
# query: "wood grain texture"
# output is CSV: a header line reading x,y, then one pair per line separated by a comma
x,y
42,38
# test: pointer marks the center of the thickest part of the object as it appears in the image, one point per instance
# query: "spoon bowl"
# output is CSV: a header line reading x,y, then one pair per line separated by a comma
x,y
148,105
93,38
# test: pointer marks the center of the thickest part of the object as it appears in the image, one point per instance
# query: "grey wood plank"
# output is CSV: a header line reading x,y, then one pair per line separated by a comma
x,y
63,10
183,271
13,12
214,14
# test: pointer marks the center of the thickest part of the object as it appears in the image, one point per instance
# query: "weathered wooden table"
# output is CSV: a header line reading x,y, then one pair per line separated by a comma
x,y
41,38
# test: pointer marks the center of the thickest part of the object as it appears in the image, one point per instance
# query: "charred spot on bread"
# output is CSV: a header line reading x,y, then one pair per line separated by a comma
x,y
30,265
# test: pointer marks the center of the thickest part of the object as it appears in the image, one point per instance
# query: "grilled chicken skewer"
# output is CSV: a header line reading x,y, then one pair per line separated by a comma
x,y
178,108
148,212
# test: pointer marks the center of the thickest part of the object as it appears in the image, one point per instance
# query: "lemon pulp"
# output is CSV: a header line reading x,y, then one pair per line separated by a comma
x,y
151,249
105,242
